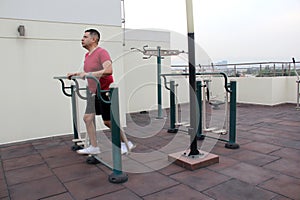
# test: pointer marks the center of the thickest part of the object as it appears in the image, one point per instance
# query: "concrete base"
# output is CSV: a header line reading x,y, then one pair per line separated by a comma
x,y
193,162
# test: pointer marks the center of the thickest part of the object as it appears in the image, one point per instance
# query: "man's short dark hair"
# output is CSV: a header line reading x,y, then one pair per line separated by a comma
x,y
94,32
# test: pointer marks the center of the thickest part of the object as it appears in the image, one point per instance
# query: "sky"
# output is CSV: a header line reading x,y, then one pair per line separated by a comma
x,y
232,30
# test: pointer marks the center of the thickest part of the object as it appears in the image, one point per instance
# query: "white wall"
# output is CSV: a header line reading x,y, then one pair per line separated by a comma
x,y
266,90
32,104
141,74
291,90
256,90
72,11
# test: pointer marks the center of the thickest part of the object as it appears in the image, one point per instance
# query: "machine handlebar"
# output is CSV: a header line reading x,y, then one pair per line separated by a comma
x,y
63,86
75,79
226,85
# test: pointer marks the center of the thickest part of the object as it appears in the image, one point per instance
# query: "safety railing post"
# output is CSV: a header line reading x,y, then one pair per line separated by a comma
x,y
172,128
118,176
232,119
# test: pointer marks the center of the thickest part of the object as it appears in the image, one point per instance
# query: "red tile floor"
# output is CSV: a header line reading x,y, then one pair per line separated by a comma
x,y
265,167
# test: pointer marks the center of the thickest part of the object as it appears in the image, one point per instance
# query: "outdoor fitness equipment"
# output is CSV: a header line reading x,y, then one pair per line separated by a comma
x,y
230,88
298,83
208,98
118,176
159,53
78,141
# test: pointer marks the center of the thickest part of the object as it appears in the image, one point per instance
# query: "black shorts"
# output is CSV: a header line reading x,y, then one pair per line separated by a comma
x,y
97,106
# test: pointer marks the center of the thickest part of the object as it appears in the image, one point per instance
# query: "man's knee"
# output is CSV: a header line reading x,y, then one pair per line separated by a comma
x,y
88,118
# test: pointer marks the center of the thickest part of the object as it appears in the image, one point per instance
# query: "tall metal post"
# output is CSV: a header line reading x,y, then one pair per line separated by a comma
x,y
232,121
118,176
200,135
74,111
192,77
172,128
159,95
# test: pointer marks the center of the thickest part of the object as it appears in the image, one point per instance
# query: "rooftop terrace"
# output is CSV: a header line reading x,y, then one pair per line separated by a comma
x,y
265,167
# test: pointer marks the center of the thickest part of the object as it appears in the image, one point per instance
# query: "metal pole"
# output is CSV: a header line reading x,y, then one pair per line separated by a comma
x,y
173,128
232,123
74,110
200,135
298,94
192,77
159,95
117,176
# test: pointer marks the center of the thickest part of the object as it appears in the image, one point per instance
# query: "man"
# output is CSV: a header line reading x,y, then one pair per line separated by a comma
x,y
97,63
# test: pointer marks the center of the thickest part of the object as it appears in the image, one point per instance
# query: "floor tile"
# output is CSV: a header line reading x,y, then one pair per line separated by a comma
x,y
288,153
37,189
148,183
261,147
287,167
254,158
3,191
48,143
171,169
118,195
238,190
17,151
284,185
64,196
224,162
200,179
25,161
27,174
248,173
178,192
92,186
75,171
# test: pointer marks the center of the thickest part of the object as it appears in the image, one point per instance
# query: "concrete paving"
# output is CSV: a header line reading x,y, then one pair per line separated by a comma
x,y
265,167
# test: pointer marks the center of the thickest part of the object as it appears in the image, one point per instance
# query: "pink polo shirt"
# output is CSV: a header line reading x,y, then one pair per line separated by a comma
x,y
94,63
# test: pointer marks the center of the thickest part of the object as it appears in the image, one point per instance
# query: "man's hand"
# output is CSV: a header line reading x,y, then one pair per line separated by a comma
x,y
69,75
81,74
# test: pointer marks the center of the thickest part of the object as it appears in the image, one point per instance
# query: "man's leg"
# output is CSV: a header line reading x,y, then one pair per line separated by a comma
x,y
89,120
90,128
107,123
128,144
105,112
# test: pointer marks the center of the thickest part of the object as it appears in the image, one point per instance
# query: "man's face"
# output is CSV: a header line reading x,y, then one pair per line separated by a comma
x,y
87,40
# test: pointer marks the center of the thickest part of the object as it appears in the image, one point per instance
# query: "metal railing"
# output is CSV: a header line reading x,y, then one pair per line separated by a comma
x,y
252,69
255,69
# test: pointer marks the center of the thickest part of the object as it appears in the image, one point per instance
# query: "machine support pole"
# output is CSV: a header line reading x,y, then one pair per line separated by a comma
x,y
192,78
118,176
232,120
172,128
74,111
200,135
159,95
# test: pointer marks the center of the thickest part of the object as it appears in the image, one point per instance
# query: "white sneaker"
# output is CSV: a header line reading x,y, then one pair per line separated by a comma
x,y
124,149
89,150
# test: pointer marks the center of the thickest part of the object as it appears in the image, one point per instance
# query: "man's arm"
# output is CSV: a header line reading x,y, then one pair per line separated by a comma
x,y
106,71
